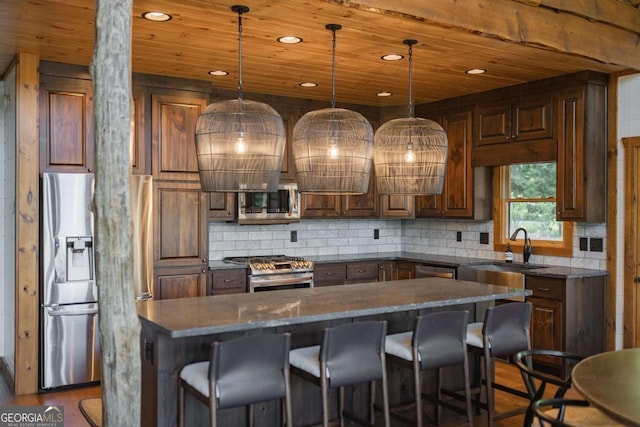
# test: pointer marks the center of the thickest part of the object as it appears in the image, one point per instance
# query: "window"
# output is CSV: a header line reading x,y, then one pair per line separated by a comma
x,y
526,197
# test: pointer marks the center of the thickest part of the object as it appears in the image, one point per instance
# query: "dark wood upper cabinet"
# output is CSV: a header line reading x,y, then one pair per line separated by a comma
x,y
222,206
66,125
581,142
336,206
521,119
397,206
457,198
173,125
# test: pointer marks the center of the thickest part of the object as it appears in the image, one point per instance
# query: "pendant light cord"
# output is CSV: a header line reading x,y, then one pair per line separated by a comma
x,y
240,94
410,43
333,28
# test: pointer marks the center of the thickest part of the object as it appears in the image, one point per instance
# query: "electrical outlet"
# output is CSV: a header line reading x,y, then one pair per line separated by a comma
x,y
458,236
584,244
595,244
484,238
376,233
294,236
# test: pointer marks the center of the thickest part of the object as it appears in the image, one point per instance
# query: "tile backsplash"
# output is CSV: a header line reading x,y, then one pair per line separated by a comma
x,y
357,236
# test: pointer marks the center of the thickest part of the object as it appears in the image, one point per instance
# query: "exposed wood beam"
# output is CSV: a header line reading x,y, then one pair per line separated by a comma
x,y
584,28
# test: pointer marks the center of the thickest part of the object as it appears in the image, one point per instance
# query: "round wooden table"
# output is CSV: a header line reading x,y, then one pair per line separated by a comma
x,y
611,382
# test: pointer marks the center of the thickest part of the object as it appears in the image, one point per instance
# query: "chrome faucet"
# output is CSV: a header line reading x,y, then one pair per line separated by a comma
x,y
527,249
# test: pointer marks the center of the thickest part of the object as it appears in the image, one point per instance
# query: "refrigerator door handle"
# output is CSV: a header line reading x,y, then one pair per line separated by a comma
x,y
73,313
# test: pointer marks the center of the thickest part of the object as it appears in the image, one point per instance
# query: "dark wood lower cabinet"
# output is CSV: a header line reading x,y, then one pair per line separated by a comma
x,y
222,282
568,315
179,282
329,274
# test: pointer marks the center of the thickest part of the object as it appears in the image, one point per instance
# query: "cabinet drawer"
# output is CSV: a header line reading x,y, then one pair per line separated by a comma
x,y
362,272
329,274
545,287
229,280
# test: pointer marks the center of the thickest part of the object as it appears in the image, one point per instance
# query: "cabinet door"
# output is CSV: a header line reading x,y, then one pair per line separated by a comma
x,y
319,206
570,172
546,324
456,200
180,224
397,206
532,118
66,125
493,124
386,271
364,205
173,126
329,274
228,282
140,140
222,206
362,272
405,270
288,167
179,283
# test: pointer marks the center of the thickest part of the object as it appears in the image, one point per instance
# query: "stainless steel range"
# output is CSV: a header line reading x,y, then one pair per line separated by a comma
x,y
276,272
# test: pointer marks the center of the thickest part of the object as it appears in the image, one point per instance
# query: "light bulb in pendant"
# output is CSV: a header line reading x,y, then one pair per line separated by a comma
x,y
410,156
334,151
241,145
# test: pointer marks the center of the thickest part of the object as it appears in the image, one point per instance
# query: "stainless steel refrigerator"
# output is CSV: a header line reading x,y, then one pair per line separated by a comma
x,y
70,345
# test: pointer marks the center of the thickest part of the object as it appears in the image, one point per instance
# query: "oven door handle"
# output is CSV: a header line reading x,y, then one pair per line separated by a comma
x,y
281,280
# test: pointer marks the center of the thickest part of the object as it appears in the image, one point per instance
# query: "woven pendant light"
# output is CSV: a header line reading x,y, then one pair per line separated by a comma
x,y
333,147
239,143
410,154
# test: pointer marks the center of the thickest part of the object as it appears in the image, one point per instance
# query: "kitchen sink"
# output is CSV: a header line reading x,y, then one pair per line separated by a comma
x,y
497,273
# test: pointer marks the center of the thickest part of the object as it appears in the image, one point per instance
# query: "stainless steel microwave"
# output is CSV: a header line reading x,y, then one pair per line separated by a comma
x,y
278,207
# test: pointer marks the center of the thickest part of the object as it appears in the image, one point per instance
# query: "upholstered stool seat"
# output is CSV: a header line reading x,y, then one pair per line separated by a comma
x,y
350,354
240,372
438,340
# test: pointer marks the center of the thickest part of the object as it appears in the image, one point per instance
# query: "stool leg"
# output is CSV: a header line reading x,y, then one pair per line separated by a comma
x,y
467,389
250,415
438,394
341,405
372,399
325,404
489,386
385,394
181,406
418,391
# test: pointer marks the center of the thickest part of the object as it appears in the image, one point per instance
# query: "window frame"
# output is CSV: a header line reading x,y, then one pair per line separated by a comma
x,y
562,248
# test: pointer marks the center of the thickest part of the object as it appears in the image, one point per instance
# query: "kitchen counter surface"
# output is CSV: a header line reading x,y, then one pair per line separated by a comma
x,y
186,317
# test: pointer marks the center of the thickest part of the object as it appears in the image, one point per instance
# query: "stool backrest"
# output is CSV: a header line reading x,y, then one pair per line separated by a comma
x,y
506,328
440,338
250,369
354,353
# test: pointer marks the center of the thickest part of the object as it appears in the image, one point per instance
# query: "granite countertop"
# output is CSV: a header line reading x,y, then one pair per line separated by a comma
x,y
440,260
188,317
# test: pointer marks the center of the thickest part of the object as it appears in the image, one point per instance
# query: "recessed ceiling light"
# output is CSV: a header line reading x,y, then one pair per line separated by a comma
x,y
157,16
308,84
290,39
384,94
476,71
392,57
218,73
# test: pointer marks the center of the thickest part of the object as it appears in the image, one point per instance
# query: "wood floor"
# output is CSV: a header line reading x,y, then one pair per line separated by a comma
x,y
69,399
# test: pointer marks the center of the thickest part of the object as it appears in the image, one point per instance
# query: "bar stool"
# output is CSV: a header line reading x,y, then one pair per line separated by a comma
x,y
438,340
240,372
350,354
504,332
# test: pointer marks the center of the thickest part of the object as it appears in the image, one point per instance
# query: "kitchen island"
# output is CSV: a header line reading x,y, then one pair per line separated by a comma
x,y
179,331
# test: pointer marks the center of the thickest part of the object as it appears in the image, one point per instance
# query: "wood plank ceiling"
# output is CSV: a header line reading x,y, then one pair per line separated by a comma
x,y
202,36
